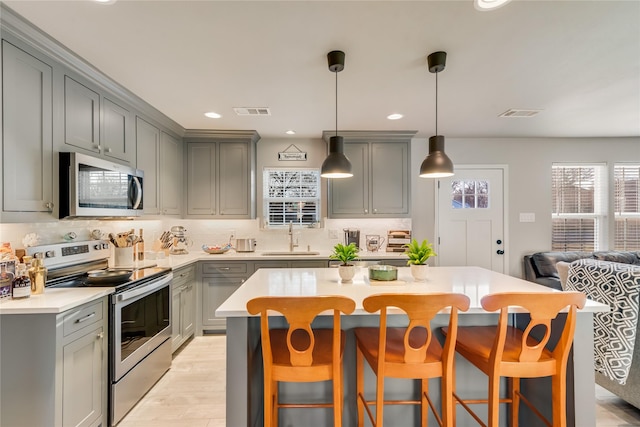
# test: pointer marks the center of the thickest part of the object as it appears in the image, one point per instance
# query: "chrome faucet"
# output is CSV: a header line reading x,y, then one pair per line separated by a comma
x,y
291,244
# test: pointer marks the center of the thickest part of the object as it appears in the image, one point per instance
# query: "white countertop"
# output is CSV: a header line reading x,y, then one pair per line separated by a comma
x,y
58,300
53,300
475,282
194,255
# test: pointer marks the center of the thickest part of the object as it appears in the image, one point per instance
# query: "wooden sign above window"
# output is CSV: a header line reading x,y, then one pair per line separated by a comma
x,y
288,155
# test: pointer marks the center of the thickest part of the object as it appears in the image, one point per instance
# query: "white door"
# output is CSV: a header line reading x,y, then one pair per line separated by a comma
x,y
470,218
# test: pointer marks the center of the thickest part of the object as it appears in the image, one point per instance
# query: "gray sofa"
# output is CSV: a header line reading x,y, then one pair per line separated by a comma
x,y
612,278
540,267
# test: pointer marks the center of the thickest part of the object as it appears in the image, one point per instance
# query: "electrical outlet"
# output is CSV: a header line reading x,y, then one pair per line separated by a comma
x,y
333,234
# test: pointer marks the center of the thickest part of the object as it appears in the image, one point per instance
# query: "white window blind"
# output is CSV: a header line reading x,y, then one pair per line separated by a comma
x,y
579,207
627,207
291,196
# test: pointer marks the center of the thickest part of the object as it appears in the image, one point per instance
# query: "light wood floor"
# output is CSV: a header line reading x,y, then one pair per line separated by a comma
x,y
192,393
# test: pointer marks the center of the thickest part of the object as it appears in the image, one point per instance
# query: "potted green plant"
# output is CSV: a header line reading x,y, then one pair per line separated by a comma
x,y
419,254
345,253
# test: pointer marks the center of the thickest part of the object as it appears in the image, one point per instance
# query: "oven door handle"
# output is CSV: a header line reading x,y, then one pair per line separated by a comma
x,y
149,288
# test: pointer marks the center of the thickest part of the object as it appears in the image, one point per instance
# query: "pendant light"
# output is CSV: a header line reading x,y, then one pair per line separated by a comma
x,y
437,164
336,165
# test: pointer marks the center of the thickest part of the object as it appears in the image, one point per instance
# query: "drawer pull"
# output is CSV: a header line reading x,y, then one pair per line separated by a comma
x,y
85,318
224,268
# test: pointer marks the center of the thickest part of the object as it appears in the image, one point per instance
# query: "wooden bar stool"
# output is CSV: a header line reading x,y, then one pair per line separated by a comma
x,y
506,351
408,352
300,353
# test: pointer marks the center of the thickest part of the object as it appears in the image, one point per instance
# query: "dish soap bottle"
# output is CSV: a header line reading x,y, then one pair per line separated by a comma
x,y
21,285
37,275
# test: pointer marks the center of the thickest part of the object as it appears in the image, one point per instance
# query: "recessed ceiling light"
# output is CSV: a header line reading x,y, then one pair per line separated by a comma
x,y
106,1
394,116
290,132
212,115
485,5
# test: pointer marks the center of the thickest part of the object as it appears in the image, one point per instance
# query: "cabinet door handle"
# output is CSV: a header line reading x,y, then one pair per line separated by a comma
x,y
85,318
100,336
108,150
49,205
366,211
375,211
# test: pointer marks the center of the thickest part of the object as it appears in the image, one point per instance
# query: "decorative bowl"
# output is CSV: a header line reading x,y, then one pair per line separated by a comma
x,y
215,249
383,272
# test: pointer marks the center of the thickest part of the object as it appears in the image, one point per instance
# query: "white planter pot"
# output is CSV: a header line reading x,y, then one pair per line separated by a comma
x,y
346,272
419,272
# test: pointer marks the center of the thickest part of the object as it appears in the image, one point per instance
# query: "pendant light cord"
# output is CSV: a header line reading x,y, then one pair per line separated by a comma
x,y
336,102
436,103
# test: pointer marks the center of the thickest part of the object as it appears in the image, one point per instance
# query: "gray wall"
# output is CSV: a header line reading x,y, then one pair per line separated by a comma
x,y
529,163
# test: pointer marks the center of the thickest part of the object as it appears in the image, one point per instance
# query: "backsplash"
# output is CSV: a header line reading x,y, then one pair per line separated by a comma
x,y
209,232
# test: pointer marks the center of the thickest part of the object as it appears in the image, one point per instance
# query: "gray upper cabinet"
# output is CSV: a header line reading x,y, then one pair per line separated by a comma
x,y
116,137
349,197
27,141
160,157
148,154
170,174
81,116
380,186
220,174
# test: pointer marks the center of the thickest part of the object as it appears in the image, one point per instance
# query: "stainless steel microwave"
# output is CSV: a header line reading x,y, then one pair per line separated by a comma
x,y
98,188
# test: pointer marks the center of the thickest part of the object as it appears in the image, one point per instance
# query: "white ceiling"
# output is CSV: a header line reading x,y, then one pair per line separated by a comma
x,y
578,61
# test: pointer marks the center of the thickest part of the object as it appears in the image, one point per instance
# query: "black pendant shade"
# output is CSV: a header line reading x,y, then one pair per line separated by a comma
x,y
437,164
336,165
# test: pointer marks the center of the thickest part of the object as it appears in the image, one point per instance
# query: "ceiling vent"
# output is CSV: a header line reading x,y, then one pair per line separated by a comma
x,y
519,113
252,111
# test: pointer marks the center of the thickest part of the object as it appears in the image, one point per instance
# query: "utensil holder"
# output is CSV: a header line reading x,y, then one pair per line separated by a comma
x,y
123,257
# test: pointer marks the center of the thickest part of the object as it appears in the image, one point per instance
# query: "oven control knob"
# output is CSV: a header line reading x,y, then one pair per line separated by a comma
x,y
97,247
49,254
105,246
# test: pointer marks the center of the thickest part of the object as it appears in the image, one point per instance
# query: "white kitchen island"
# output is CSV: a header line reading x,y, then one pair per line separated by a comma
x,y
244,360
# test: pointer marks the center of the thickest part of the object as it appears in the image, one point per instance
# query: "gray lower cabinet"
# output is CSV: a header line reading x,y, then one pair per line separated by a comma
x,y
27,128
219,280
299,263
380,186
54,368
159,155
183,305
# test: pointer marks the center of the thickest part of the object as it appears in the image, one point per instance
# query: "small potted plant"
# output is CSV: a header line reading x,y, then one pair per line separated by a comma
x,y
419,254
345,253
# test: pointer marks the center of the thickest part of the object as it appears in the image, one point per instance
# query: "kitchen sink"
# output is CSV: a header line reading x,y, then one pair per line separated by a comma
x,y
287,253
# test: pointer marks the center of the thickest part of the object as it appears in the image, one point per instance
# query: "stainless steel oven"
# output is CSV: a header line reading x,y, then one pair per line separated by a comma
x,y
140,341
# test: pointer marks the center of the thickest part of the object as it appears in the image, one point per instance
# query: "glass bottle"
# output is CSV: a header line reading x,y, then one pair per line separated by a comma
x,y
37,275
21,285
140,247
6,279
